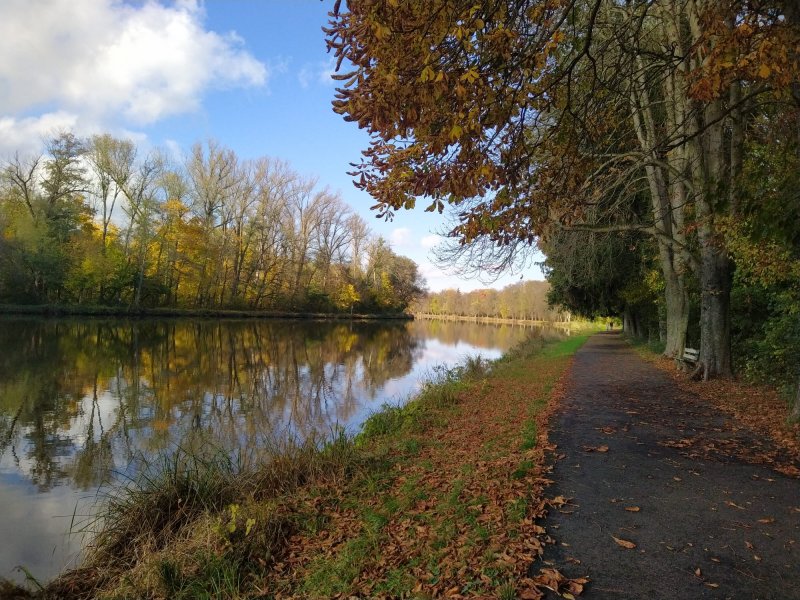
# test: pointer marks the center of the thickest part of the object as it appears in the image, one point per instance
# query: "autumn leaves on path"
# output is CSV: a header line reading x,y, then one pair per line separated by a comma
x,y
669,498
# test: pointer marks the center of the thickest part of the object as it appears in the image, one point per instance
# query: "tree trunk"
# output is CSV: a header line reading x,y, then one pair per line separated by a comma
x,y
715,327
794,416
677,312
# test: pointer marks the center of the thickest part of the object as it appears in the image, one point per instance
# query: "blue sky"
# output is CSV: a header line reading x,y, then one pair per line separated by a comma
x,y
252,74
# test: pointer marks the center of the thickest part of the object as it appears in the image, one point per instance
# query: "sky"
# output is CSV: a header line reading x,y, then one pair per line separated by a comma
x,y
252,74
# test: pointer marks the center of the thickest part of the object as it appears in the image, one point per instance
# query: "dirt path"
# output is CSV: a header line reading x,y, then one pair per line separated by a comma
x,y
714,519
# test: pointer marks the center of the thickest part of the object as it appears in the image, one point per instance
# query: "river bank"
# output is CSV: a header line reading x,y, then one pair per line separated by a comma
x,y
57,310
436,497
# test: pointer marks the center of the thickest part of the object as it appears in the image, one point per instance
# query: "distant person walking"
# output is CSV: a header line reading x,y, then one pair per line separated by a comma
x,y
610,326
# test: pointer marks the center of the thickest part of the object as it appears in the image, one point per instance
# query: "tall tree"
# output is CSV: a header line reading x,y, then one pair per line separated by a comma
x,y
521,114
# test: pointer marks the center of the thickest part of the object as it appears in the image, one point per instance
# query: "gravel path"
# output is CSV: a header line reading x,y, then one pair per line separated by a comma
x,y
714,519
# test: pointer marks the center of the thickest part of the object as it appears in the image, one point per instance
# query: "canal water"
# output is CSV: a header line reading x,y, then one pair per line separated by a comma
x,y
84,403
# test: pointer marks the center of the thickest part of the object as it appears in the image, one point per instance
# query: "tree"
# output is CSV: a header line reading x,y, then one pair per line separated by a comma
x,y
523,114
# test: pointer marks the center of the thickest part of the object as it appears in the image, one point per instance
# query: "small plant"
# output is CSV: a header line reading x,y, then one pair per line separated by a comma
x,y
234,524
507,591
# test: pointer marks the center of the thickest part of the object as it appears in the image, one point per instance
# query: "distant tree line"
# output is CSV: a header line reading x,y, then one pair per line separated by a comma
x,y
96,221
526,300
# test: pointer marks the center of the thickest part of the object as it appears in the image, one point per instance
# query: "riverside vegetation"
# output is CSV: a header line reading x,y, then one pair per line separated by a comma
x,y
94,223
435,497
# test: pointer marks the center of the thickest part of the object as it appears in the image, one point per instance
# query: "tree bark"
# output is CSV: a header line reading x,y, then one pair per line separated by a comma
x,y
795,414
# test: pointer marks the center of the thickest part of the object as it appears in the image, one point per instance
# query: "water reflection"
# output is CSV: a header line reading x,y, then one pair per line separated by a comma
x,y
81,401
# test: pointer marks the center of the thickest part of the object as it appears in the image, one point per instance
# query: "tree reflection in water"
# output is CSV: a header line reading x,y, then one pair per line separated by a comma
x,y
82,398
84,401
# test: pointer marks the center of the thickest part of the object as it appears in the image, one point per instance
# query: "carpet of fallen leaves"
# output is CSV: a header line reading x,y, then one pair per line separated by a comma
x,y
454,515
758,407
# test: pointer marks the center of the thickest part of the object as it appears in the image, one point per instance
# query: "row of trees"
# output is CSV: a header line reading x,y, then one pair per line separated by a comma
x,y
672,124
94,221
526,300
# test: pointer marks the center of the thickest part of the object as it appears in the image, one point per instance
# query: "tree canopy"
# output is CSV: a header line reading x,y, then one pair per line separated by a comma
x,y
533,116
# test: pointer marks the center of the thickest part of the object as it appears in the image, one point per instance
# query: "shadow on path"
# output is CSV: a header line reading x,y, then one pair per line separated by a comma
x,y
714,519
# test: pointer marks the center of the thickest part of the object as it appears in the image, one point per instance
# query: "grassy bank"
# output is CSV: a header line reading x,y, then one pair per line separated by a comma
x,y
436,498
58,310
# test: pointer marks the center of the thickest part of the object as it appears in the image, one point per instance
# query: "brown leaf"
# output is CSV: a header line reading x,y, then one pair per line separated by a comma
x,y
698,572
712,585
749,545
602,448
624,543
632,508
766,520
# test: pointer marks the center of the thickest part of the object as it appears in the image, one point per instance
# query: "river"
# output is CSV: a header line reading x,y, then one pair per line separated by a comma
x,y
84,403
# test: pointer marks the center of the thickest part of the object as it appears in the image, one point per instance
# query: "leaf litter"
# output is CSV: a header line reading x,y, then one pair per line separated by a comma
x,y
458,519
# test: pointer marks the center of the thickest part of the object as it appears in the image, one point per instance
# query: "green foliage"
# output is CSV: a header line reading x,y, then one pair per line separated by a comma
x,y
219,576
766,333
130,235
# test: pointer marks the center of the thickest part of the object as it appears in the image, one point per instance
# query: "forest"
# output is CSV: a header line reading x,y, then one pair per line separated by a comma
x,y
651,150
526,300
98,222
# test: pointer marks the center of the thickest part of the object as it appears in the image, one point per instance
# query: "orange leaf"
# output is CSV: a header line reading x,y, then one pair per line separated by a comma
x,y
632,508
624,543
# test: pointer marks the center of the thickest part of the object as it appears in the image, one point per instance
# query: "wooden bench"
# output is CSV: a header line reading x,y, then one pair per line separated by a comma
x,y
690,356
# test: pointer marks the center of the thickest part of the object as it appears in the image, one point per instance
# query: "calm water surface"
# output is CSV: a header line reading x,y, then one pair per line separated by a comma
x,y
83,403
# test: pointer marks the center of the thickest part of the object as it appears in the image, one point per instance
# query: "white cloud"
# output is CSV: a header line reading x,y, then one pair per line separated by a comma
x,y
401,236
87,63
305,76
429,241
321,73
28,132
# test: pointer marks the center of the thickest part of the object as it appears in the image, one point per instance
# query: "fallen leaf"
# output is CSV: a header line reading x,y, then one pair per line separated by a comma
x,y
756,557
734,505
698,572
766,520
677,478
602,448
749,545
624,543
632,508
712,585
